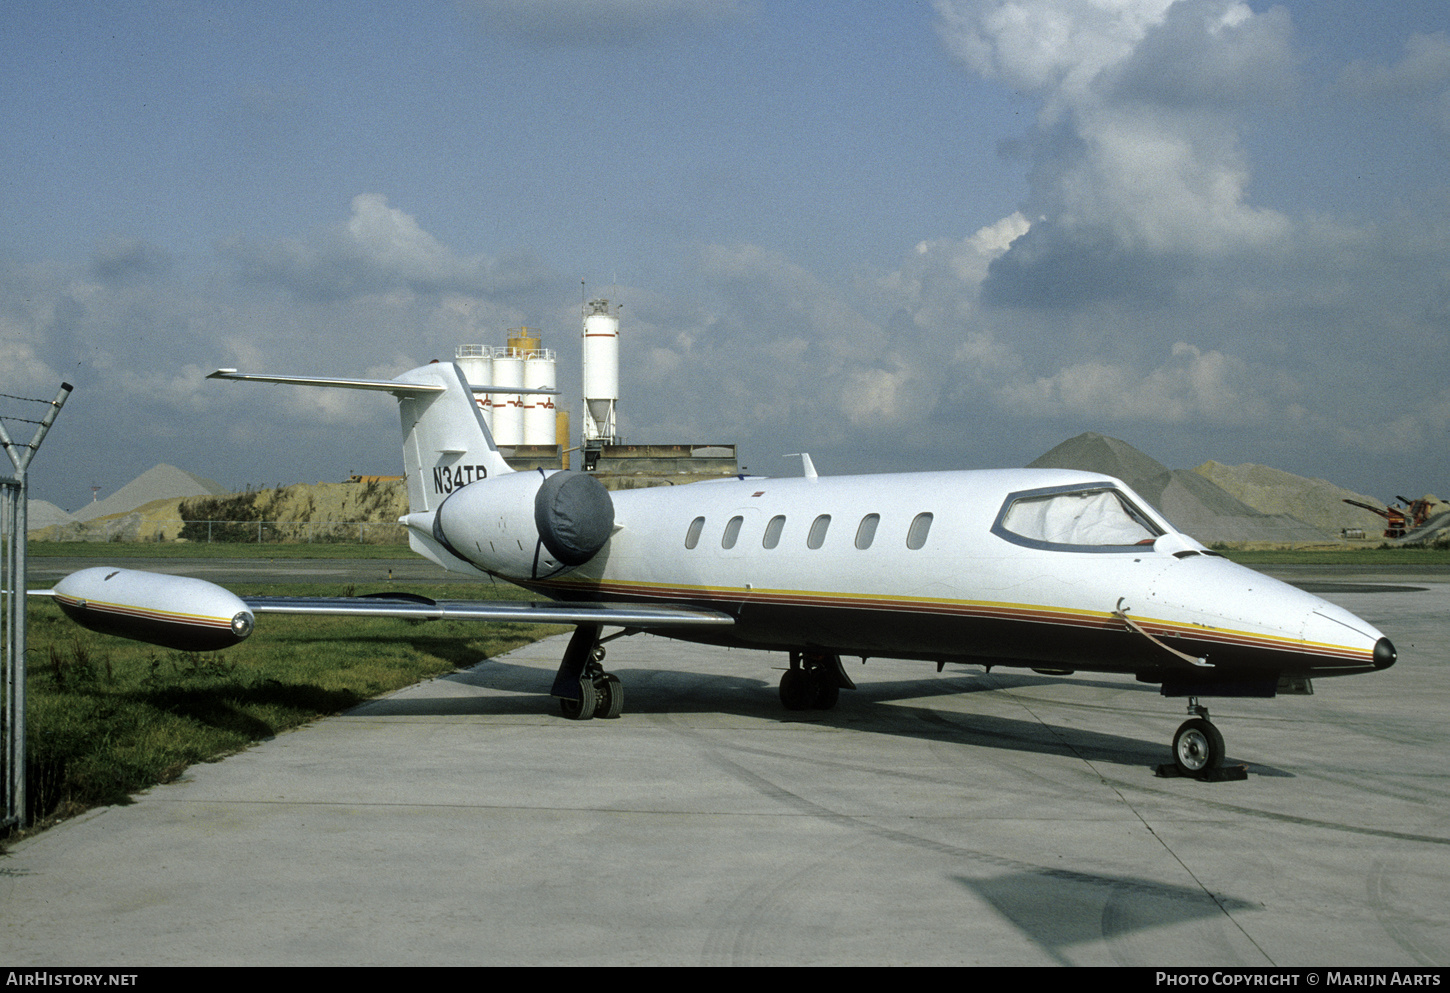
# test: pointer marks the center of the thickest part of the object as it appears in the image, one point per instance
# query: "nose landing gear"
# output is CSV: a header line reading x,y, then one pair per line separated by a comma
x,y
1198,749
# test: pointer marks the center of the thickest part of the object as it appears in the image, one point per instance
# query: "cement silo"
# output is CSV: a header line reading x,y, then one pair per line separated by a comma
x,y
508,408
538,373
601,374
476,361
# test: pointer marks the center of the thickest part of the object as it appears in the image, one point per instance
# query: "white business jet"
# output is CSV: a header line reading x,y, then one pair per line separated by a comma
x,y
1048,569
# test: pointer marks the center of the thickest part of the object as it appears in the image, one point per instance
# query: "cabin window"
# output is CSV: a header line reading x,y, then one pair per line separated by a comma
x,y
866,533
692,536
920,528
817,536
732,532
1095,518
772,532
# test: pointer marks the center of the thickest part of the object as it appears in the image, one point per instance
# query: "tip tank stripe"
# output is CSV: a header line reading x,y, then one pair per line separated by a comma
x,y
142,613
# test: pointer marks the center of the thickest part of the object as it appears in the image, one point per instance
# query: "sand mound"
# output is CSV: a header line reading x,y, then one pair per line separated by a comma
x,y
1317,501
1093,452
1195,504
320,512
161,482
43,513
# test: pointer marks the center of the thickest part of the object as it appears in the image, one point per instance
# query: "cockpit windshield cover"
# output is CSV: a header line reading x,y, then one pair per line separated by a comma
x,y
1075,518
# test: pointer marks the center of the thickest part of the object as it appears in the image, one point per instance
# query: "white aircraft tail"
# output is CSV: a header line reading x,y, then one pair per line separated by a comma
x,y
445,442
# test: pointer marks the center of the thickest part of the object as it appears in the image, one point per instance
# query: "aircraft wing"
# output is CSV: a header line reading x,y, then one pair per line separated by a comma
x,y
514,611
194,615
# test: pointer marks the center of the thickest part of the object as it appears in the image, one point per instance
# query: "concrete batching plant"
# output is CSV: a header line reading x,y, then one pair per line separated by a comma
x,y
523,424
532,433
600,359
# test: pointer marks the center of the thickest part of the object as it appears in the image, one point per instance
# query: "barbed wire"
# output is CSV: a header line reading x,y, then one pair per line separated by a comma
x,y
12,396
16,417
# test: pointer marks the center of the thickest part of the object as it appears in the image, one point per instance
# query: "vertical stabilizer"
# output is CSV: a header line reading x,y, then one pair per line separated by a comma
x,y
446,444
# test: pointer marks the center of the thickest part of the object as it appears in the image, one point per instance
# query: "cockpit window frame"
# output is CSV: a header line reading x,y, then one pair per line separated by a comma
x,y
1150,522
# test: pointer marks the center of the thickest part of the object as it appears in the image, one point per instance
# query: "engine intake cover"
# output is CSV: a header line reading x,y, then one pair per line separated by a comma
x,y
574,515
527,525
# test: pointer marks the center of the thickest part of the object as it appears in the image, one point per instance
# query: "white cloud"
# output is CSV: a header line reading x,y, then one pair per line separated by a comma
x,y
766,287
1046,45
1193,387
1423,424
968,259
887,396
380,249
1422,75
1135,143
22,371
392,240
1162,184
1425,68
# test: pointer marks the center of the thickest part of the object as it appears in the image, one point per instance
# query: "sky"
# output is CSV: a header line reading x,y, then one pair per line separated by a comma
x,y
898,236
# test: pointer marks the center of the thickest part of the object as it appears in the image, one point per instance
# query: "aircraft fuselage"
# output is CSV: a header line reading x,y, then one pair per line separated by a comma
x,y
923,565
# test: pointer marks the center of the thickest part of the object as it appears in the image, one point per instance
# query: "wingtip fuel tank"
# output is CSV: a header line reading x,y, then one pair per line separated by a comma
x,y
171,611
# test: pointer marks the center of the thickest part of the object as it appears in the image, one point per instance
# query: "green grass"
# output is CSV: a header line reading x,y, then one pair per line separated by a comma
x,y
107,717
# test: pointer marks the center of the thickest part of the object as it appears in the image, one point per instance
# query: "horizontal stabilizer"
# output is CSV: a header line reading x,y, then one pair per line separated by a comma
x,y
393,386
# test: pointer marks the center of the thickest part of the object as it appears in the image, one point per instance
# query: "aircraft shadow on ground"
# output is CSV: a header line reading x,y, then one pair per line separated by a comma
x,y
522,690
1059,909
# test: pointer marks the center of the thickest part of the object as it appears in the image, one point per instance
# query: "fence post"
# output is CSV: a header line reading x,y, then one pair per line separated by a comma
x,y
13,524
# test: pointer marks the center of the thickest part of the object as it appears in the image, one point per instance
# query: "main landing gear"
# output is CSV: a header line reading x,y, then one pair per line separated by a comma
x,y
813,682
1198,748
584,689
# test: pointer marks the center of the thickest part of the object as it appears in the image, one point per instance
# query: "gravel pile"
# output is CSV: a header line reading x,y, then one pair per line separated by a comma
x,y
43,513
162,482
1317,501
1195,504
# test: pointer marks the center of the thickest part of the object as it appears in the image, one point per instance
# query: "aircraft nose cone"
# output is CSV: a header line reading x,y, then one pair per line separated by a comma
x,y
1384,654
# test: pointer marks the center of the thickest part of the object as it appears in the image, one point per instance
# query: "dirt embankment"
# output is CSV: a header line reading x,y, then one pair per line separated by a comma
x,y
366,511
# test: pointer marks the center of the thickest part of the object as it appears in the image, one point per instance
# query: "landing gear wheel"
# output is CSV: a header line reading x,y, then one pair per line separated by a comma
x,y
827,692
610,692
1197,748
797,689
583,708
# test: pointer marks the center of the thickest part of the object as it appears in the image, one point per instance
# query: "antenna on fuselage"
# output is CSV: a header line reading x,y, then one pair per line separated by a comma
x,y
808,468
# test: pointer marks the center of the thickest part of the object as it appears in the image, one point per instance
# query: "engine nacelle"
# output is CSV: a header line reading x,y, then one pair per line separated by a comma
x,y
527,525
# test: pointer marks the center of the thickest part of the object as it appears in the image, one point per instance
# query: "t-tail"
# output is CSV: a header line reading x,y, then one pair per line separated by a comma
x,y
522,525
446,444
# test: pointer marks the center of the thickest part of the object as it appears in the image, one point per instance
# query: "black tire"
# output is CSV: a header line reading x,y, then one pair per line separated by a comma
x,y
583,708
797,689
827,692
1197,747
611,697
